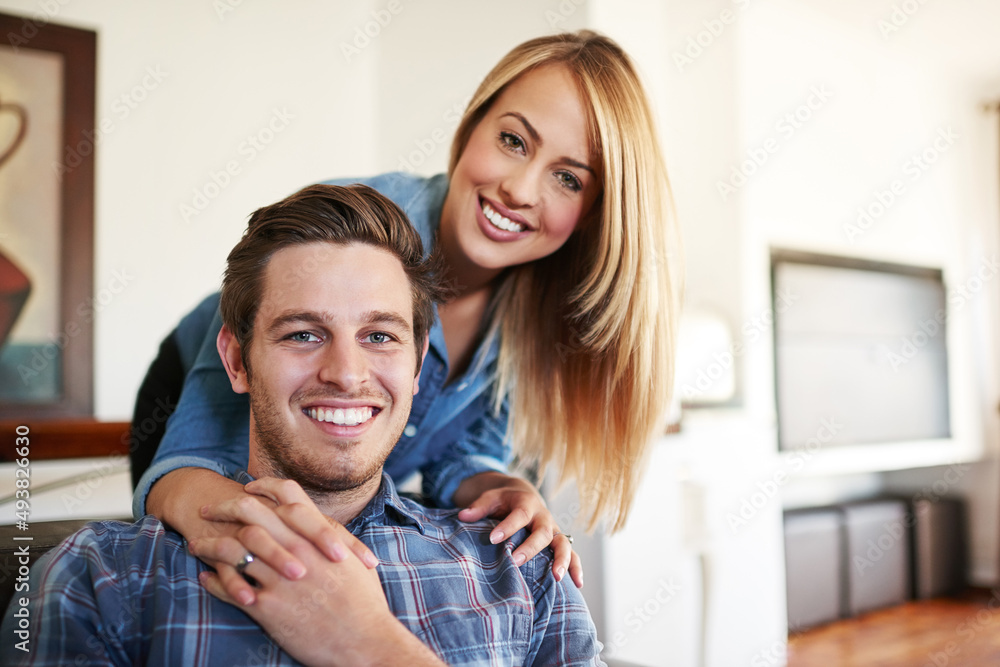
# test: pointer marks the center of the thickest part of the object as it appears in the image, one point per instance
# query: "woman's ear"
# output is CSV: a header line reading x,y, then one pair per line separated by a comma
x,y
232,359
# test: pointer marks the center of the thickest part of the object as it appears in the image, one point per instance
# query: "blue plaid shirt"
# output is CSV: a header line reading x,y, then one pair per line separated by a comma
x,y
128,594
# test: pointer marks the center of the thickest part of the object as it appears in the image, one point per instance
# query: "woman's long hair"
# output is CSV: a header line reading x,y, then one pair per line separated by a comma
x,y
588,334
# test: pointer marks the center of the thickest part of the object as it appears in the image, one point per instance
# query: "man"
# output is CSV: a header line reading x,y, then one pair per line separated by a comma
x,y
327,301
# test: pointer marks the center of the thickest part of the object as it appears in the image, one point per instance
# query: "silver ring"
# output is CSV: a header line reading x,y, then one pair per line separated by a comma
x,y
244,562
568,537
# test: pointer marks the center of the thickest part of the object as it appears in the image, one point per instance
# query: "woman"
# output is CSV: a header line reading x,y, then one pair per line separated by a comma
x,y
555,230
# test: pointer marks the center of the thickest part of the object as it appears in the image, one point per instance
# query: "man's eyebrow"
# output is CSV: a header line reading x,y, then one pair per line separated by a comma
x,y
538,140
387,317
323,319
296,316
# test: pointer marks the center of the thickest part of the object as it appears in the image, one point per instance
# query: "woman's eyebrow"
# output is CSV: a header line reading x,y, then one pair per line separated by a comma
x,y
528,126
537,138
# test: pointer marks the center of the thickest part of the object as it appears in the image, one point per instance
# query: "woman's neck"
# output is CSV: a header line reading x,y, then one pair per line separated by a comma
x,y
463,276
462,323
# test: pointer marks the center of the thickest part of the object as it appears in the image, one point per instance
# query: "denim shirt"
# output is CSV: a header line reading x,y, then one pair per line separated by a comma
x,y
453,431
128,594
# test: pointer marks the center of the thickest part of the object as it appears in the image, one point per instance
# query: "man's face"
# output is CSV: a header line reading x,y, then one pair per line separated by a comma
x,y
332,366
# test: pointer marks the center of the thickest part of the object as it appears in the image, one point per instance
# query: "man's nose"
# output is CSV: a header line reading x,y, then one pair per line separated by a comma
x,y
344,364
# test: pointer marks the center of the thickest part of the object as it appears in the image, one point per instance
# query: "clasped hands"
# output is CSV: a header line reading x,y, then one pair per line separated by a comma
x,y
279,524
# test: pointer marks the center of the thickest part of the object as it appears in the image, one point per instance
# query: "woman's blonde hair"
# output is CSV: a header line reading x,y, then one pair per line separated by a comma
x,y
587,334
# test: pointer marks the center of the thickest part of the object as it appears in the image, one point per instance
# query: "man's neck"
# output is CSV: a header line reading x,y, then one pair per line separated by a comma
x,y
344,506
341,506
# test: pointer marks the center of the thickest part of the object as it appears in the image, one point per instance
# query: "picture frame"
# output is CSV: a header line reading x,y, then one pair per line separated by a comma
x,y
63,355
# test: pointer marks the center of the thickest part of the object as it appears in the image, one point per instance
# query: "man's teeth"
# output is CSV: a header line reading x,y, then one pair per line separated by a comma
x,y
500,221
341,416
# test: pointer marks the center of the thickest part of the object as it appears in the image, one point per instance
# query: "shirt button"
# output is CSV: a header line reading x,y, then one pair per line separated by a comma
x,y
410,430
462,386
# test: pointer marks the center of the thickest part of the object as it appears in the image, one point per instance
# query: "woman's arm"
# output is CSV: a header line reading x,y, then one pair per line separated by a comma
x,y
210,426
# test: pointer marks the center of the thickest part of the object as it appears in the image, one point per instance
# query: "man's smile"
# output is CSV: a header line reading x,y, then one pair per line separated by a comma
x,y
342,416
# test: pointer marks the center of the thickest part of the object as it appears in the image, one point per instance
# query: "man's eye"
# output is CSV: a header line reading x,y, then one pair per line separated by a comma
x,y
303,337
379,338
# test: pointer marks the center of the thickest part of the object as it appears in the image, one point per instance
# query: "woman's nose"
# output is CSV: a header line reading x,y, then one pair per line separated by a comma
x,y
521,186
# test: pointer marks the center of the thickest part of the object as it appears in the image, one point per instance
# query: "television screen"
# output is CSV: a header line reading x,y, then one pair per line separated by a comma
x,y
860,351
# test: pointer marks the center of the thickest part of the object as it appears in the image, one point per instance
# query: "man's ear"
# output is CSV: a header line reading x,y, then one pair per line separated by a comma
x,y
232,359
423,358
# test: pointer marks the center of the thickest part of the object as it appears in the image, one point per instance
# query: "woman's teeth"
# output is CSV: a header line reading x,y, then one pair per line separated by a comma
x,y
341,416
500,221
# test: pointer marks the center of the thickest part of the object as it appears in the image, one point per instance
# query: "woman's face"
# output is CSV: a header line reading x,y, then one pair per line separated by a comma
x,y
525,178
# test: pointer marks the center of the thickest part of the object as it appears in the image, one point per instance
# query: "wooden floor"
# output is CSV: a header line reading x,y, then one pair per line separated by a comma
x,y
961,632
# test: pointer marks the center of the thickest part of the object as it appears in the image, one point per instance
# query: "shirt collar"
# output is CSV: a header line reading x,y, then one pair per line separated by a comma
x,y
384,508
375,511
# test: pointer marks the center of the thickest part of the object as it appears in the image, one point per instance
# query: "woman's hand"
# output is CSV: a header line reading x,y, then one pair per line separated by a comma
x,y
336,613
188,499
519,504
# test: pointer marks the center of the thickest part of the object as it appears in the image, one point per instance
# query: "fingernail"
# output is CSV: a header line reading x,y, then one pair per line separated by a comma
x,y
295,571
496,537
339,551
246,598
560,573
371,561
519,559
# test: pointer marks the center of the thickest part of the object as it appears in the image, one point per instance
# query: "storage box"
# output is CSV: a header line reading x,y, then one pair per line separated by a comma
x,y
939,547
877,564
813,566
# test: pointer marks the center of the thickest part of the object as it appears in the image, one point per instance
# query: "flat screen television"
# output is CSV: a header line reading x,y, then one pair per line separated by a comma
x,y
860,351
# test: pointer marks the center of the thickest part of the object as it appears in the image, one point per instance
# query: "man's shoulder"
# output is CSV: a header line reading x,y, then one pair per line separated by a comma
x,y
465,596
118,543
473,537
114,532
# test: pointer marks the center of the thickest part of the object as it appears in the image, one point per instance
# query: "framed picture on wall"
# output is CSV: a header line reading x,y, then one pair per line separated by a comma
x,y
47,114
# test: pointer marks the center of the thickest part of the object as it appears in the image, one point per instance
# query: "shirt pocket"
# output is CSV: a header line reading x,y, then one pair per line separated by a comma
x,y
470,639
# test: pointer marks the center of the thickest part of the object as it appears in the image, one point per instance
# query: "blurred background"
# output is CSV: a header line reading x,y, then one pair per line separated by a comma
x,y
858,129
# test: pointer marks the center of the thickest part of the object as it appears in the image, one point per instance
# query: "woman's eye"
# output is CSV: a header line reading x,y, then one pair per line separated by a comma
x,y
511,141
570,181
